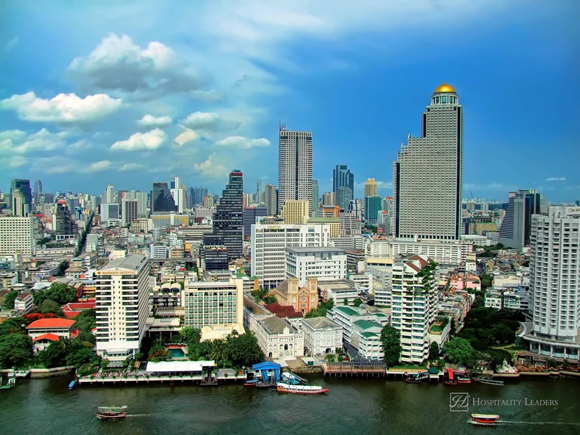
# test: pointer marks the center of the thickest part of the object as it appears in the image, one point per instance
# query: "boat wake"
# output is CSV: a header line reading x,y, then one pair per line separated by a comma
x,y
537,422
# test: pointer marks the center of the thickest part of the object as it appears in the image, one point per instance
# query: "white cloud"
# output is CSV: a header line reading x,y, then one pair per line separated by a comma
x,y
188,135
55,165
43,140
211,168
556,179
79,146
11,44
99,166
128,167
64,108
243,142
209,121
18,161
117,63
152,121
149,141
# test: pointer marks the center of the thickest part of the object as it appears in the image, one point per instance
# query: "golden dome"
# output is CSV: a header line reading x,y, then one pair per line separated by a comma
x,y
444,88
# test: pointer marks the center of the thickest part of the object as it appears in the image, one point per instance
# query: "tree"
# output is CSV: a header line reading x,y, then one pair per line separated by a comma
x,y
9,300
158,352
58,292
104,364
270,299
54,355
321,310
86,320
502,334
190,335
13,325
50,306
460,351
453,327
79,353
243,349
357,302
391,342
345,302
15,348
434,351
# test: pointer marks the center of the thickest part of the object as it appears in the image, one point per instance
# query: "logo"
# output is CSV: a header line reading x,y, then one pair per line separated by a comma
x,y
459,402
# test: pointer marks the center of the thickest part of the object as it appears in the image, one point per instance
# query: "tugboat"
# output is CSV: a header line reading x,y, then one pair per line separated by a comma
x,y
300,389
484,419
111,412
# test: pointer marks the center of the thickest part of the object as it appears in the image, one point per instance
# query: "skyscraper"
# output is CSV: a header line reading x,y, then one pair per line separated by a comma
x,y
554,270
161,199
295,211
109,194
315,198
199,193
129,211
427,176
37,193
19,206
517,224
258,191
343,197
24,187
342,177
371,188
271,199
64,224
372,209
228,219
328,198
294,166
179,194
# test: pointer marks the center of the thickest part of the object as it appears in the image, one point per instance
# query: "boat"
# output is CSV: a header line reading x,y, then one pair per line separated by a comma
x,y
484,419
449,378
417,378
257,383
489,381
300,389
72,384
463,380
291,378
111,412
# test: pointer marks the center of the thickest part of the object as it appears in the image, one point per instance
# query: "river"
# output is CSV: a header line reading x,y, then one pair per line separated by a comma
x,y
353,406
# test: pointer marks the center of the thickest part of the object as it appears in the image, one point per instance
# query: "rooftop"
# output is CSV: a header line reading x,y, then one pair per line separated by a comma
x,y
346,310
367,324
339,284
51,323
321,323
317,249
132,262
275,325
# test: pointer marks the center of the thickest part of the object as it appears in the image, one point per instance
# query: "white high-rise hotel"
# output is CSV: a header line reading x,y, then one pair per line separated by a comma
x,y
554,283
427,176
294,166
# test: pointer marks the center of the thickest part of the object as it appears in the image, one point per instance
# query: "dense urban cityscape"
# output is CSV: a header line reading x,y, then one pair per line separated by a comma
x,y
292,285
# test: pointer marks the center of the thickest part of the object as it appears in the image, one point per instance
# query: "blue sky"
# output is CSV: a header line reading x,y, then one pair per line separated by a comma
x,y
98,93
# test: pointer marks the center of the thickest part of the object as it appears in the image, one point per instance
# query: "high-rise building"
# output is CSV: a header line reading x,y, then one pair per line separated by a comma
x,y
19,206
17,235
323,263
122,306
294,166
37,192
161,199
328,198
428,173
110,213
343,197
271,200
24,187
371,188
372,209
258,198
342,177
63,222
208,201
315,198
228,219
516,226
179,194
295,211
199,193
141,198
554,273
269,243
250,215
130,211
109,196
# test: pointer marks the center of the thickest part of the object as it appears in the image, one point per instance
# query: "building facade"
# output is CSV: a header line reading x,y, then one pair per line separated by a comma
x,y
271,200
278,338
17,236
321,336
322,263
295,211
294,166
228,219
161,199
516,226
303,298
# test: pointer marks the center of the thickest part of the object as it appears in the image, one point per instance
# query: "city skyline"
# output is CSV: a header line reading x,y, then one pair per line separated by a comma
x,y
202,119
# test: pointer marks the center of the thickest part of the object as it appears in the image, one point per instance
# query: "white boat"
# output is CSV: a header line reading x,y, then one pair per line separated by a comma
x,y
300,389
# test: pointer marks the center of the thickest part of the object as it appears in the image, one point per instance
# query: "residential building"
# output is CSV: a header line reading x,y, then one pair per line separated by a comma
x,y
428,173
130,211
342,291
24,303
278,338
294,166
371,187
179,194
295,211
271,200
366,338
269,243
110,213
329,198
95,244
323,263
158,251
346,316
109,196
216,308
414,305
17,236
321,336
516,226
554,272
122,306
228,219
302,297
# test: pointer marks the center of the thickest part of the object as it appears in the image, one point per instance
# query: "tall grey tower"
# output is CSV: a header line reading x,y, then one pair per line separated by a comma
x,y
428,174
294,166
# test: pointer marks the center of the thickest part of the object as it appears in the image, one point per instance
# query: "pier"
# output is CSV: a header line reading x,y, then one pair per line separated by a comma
x,y
223,375
349,369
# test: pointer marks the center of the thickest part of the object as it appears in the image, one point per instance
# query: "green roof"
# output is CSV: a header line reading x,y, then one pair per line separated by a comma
x,y
367,324
348,311
323,220
369,334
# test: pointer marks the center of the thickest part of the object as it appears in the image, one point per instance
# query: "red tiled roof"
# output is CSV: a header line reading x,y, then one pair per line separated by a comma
x,y
283,310
74,333
79,306
50,337
51,323
71,314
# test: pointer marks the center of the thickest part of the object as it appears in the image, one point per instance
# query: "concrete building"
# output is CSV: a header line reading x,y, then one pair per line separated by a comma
x,y
278,338
129,210
414,305
216,308
554,271
372,209
321,336
228,219
347,316
428,173
122,306
158,251
24,303
63,222
332,222
17,236
271,200
516,226
19,206
328,198
342,291
366,338
249,217
294,166
295,211
315,202
322,263
371,187
161,199
269,243
302,297
110,213
95,244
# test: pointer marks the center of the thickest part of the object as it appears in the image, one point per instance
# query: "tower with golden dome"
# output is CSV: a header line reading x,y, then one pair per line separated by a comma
x,y
428,173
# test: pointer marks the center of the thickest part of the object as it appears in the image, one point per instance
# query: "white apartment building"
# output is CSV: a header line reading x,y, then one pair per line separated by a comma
x,y
414,305
24,303
158,251
347,316
95,244
122,306
324,263
554,283
269,243
366,338
294,166
278,338
17,236
321,336
342,291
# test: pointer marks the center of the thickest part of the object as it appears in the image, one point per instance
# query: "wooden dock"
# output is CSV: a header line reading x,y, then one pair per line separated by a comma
x,y
171,380
342,369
